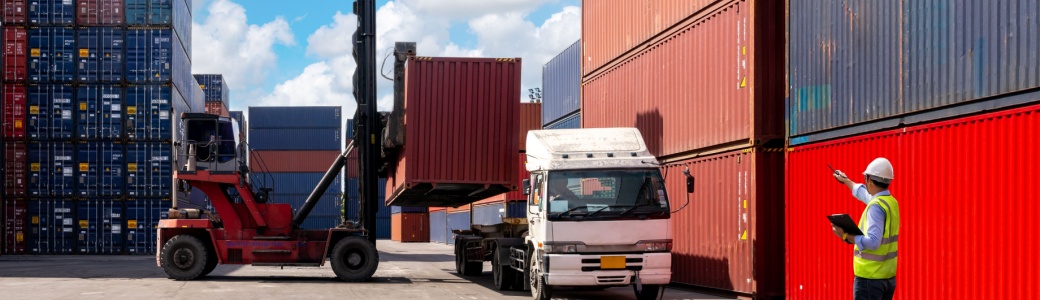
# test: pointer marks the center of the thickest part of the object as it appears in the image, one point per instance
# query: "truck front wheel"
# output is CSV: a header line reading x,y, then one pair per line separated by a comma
x,y
649,292
184,257
539,290
354,259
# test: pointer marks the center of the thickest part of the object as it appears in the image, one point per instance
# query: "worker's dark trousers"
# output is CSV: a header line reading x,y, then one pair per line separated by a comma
x,y
874,289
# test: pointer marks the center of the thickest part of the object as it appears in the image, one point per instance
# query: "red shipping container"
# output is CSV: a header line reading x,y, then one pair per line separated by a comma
x,y
217,108
517,194
16,169
715,85
966,191
14,12
292,161
100,12
14,98
530,119
352,163
611,28
730,235
410,227
16,55
462,131
13,214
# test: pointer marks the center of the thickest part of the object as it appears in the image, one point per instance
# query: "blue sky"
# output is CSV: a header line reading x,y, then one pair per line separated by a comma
x,y
279,54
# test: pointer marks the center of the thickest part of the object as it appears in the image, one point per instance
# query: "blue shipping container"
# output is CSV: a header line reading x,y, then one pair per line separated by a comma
x,y
149,169
52,226
491,214
51,169
407,209
352,193
50,112
561,79
439,227
99,112
182,24
268,117
182,79
572,121
215,88
328,205
100,55
383,228
148,113
294,138
149,55
51,51
100,169
294,183
457,221
100,226
879,64
142,219
52,13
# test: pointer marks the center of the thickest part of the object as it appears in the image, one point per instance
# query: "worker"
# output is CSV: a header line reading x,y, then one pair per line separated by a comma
x,y
875,254
558,189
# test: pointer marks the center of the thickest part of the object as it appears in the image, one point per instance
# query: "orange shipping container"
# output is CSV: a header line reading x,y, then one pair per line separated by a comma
x,y
410,227
610,28
217,108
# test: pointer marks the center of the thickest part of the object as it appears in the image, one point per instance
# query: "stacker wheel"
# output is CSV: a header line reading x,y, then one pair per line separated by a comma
x,y
184,257
354,259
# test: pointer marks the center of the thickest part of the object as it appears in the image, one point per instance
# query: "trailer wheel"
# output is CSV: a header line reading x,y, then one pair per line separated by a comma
x,y
462,264
354,259
504,276
184,257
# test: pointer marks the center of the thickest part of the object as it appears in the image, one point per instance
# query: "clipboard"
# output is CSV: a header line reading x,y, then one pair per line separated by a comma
x,y
846,223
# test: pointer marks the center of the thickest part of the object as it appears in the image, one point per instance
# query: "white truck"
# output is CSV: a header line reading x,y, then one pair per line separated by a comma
x,y
597,217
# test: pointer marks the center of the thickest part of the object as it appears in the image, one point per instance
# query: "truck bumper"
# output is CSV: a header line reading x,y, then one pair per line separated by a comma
x,y
586,270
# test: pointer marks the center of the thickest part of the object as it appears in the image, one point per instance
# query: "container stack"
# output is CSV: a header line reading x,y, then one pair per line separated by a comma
x,y
217,94
290,149
384,216
952,105
561,81
703,81
91,91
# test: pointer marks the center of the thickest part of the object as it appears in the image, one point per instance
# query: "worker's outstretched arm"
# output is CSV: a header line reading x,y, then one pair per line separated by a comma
x,y
858,190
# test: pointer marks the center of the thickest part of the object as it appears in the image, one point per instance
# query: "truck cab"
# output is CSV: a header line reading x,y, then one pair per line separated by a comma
x,y
598,213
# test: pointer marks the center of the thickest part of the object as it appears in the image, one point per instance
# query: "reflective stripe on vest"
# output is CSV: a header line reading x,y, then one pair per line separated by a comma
x,y
880,263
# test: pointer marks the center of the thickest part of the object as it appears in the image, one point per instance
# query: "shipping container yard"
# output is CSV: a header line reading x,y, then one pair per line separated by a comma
x,y
671,148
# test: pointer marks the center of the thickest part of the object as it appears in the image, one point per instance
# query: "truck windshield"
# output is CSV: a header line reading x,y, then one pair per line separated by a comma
x,y
606,194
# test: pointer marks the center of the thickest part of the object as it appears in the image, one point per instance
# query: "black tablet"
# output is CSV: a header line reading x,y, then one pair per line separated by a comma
x,y
846,223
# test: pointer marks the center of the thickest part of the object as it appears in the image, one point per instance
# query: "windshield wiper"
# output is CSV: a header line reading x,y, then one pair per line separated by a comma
x,y
568,212
597,211
631,209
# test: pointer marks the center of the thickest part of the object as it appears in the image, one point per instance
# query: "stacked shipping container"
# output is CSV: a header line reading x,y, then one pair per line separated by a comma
x,y
702,80
942,100
90,97
293,169
561,81
218,98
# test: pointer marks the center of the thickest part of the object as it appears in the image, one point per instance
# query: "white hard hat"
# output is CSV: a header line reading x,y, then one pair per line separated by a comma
x,y
880,168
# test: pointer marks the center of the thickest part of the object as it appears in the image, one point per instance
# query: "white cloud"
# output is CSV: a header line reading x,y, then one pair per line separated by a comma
x,y
226,44
501,28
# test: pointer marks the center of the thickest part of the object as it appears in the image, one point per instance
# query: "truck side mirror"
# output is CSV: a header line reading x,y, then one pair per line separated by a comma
x,y
526,186
690,181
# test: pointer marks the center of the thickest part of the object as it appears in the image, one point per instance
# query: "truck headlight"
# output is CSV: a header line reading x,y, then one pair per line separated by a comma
x,y
655,246
562,247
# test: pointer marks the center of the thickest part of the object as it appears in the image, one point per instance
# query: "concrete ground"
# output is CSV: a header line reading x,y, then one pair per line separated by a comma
x,y
406,271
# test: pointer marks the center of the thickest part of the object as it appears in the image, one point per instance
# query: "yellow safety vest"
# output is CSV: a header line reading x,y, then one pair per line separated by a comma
x,y
880,263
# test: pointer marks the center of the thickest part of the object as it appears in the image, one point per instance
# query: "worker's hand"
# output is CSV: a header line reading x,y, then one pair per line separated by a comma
x,y
837,230
840,176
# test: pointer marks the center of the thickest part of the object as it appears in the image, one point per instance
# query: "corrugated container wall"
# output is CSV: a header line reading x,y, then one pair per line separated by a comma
x,y
612,28
572,121
100,55
16,170
866,61
995,263
243,124
51,55
410,227
730,94
14,104
530,119
215,87
517,194
52,13
561,84
16,54
100,12
729,236
15,227
438,226
267,117
462,130
292,161
14,12
295,128
492,213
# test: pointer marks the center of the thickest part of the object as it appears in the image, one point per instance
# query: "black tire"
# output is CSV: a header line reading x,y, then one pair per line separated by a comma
x,y
462,264
354,259
505,277
211,264
539,290
649,292
184,257
458,259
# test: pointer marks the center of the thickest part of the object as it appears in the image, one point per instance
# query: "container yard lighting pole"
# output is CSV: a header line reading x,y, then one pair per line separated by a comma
x,y
366,117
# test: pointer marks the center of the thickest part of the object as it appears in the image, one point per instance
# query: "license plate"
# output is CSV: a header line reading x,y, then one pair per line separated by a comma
x,y
612,262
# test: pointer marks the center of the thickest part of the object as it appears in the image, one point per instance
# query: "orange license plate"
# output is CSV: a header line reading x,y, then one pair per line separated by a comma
x,y
612,262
